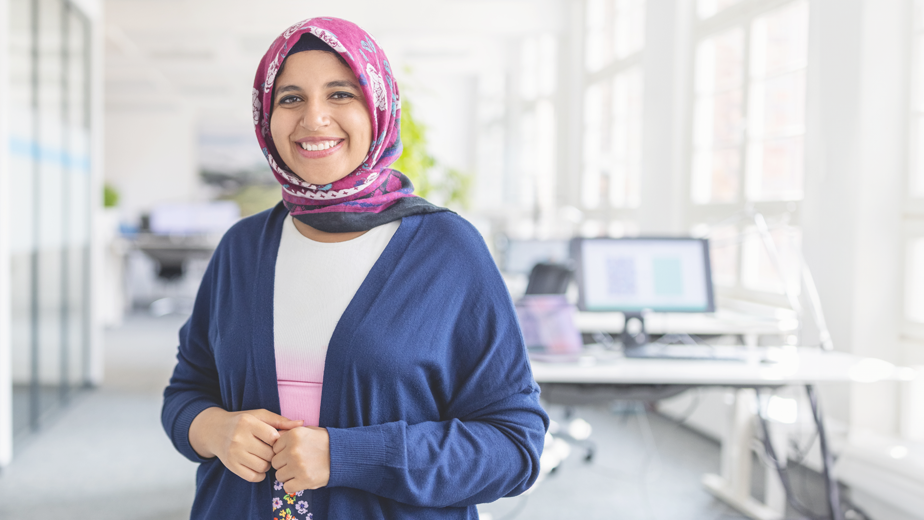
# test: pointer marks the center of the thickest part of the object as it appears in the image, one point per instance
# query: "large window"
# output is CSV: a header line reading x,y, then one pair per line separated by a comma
x,y
612,155
747,137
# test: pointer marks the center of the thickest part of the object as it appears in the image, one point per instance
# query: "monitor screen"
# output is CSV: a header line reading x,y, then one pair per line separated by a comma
x,y
638,274
194,218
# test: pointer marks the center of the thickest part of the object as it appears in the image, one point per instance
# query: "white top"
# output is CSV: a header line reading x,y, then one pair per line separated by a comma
x,y
314,283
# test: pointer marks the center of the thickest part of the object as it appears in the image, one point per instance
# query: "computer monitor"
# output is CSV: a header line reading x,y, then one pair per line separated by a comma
x,y
194,218
632,275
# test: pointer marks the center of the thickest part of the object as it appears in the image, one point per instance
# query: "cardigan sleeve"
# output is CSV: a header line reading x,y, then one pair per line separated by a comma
x,y
194,385
494,452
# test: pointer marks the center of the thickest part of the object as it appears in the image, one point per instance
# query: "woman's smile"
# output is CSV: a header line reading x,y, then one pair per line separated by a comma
x,y
317,148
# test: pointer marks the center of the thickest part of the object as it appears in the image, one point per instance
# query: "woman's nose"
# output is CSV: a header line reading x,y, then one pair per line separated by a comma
x,y
315,116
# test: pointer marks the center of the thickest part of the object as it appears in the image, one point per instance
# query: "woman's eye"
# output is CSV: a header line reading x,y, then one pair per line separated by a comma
x,y
288,100
342,95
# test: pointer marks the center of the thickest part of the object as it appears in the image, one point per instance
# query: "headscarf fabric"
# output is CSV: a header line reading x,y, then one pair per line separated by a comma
x,y
373,193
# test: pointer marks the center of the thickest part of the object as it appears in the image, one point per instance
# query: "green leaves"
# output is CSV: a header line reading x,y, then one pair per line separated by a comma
x,y
444,185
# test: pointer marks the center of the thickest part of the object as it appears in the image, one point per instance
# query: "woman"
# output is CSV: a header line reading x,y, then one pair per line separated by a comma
x,y
354,286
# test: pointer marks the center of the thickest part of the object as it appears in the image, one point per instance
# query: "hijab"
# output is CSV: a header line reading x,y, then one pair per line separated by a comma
x,y
372,194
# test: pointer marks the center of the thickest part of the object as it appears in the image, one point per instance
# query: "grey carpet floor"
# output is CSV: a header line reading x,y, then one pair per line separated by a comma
x,y
105,456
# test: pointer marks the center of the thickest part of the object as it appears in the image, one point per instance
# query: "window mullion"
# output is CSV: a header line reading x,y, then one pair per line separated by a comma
x,y
743,170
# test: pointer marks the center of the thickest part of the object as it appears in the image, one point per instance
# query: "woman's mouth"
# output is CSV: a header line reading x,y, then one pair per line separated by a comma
x,y
317,149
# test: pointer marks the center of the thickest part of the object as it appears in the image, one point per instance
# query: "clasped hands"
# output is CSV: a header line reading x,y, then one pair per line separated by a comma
x,y
248,443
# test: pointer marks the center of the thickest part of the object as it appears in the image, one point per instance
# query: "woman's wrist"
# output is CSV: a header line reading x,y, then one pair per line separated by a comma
x,y
202,429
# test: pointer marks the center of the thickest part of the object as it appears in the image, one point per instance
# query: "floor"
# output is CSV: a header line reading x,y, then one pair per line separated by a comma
x,y
106,455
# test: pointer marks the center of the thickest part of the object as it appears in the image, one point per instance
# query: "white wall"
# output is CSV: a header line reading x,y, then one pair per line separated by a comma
x,y
855,148
150,156
666,65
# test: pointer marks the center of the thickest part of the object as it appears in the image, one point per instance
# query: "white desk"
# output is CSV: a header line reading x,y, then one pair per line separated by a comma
x,y
796,366
720,322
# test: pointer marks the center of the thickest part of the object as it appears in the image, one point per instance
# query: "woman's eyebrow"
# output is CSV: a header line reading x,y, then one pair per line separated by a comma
x,y
287,88
342,83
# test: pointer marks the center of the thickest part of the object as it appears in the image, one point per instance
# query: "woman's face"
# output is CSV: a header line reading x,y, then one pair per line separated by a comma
x,y
320,123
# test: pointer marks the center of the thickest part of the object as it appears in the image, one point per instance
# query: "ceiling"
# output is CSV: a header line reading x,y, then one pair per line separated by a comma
x,y
201,54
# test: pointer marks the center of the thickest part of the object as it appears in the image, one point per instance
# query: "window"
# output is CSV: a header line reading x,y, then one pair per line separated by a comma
x,y
708,8
748,129
615,31
535,137
612,158
719,117
613,98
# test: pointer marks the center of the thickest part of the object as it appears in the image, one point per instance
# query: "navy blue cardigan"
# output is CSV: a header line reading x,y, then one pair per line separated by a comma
x,y
428,396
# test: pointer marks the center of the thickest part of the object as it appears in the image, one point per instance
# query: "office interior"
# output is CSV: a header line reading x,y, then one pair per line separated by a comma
x,y
127,148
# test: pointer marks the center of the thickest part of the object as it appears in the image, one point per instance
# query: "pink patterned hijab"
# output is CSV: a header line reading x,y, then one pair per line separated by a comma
x,y
371,195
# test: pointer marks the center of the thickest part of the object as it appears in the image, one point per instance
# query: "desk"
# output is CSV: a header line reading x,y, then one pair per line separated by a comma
x,y
721,322
794,366
171,251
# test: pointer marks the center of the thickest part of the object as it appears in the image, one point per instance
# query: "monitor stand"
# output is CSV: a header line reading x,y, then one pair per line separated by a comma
x,y
629,340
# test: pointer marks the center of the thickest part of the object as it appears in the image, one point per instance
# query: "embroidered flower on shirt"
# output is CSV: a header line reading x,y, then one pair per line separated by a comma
x,y
277,485
301,507
277,503
290,499
299,493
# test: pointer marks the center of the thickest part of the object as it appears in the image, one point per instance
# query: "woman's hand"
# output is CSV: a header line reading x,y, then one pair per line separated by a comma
x,y
302,459
243,441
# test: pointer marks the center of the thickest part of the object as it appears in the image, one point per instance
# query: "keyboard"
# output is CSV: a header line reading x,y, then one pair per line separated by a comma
x,y
705,352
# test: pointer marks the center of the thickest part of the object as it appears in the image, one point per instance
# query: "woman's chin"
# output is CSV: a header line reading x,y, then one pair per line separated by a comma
x,y
320,178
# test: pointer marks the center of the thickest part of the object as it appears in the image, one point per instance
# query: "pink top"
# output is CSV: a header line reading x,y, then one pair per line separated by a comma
x,y
300,401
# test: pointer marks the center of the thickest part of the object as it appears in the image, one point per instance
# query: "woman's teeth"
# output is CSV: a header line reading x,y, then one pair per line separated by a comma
x,y
316,147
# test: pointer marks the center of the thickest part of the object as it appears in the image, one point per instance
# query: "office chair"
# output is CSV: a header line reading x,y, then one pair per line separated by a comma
x,y
547,278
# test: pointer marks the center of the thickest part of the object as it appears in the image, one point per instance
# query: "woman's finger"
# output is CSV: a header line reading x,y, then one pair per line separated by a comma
x,y
265,432
294,486
281,443
275,420
254,463
261,450
246,473
279,461
284,473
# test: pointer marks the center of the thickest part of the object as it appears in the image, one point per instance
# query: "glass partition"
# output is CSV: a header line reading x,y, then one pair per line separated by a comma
x,y
50,232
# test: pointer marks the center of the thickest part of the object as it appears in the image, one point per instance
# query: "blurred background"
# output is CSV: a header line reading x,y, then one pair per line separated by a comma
x,y
127,149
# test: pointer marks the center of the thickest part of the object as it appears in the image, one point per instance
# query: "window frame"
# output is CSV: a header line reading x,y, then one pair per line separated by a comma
x,y
788,212
605,213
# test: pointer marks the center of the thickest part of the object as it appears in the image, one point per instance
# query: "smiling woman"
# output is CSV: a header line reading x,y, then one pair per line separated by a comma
x,y
353,352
